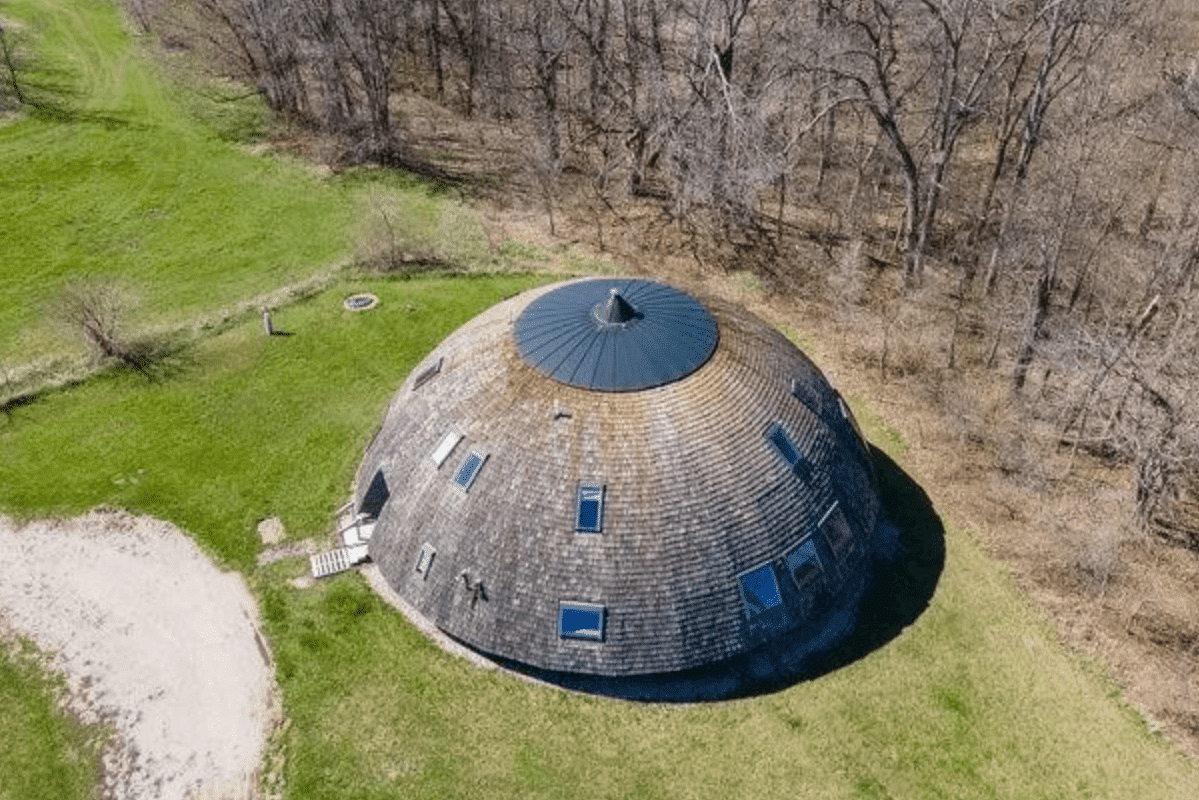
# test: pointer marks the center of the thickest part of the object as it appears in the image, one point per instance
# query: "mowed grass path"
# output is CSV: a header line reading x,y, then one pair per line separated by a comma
x,y
116,179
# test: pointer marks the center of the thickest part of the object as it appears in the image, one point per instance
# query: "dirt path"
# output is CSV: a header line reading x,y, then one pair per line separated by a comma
x,y
154,641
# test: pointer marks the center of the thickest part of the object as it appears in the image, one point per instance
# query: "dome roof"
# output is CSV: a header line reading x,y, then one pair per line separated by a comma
x,y
685,490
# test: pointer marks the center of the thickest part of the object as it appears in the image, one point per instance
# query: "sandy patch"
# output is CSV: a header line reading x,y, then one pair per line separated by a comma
x,y
154,641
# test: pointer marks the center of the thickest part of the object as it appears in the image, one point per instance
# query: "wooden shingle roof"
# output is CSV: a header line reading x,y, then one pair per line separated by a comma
x,y
487,459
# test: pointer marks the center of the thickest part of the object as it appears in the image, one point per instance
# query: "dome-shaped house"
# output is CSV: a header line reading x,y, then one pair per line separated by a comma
x,y
612,485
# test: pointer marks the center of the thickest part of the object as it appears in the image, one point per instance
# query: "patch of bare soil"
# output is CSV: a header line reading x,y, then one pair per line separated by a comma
x,y
155,642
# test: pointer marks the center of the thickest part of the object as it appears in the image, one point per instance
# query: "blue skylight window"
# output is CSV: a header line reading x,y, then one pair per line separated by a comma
x,y
759,590
581,621
468,470
447,445
784,446
424,560
589,513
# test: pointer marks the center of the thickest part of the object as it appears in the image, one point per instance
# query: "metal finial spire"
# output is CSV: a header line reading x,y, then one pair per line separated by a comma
x,y
616,310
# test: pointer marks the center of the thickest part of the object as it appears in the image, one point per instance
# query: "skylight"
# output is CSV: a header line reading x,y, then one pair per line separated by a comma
x,y
468,470
589,512
581,621
759,590
784,446
424,560
448,443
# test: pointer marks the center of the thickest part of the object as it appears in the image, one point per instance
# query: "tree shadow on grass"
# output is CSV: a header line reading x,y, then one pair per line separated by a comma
x,y
155,358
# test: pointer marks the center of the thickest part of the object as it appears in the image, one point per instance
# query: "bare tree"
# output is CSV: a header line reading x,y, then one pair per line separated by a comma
x,y
471,37
98,309
924,72
1066,36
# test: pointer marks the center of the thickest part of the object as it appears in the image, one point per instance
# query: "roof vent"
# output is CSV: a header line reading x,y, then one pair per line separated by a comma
x,y
615,310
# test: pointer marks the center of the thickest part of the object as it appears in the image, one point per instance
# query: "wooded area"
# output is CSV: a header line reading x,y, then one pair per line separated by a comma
x,y
1034,159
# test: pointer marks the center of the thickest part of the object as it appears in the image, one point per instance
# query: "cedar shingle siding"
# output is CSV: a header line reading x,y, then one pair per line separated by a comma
x,y
695,494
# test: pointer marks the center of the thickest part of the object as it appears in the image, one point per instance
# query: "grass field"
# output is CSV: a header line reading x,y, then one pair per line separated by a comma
x,y
242,426
975,699
44,755
125,175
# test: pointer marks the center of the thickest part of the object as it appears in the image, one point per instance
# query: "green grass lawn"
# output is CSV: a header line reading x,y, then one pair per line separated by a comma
x,y
130,176
115,179
975,699
242,426
44,753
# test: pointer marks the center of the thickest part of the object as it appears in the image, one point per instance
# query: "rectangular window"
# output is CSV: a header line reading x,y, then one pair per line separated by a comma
x,y
803,563
468,470
837,532
784,446
581,621
448,443
861,442
589,514
424,560
759,590
804,391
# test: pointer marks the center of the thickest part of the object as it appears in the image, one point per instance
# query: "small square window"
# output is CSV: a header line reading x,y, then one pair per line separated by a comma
x,y
581,621
589,514
759,590
468,470
448,443
424,560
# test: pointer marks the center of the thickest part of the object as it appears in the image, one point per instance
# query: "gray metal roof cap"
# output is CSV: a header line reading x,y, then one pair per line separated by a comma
x,y
615,334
